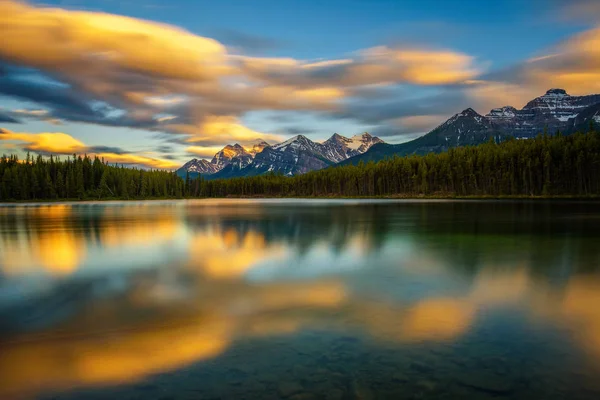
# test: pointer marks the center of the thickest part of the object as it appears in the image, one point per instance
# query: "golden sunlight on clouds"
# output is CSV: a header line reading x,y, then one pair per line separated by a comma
x,y
489,94
174,81
134,159
377,65
426,67
208,151
325,94
58,143
227,127
63,40
573,65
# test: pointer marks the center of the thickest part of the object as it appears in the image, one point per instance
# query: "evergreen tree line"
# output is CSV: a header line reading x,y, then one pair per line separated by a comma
x,y
81,178
545,166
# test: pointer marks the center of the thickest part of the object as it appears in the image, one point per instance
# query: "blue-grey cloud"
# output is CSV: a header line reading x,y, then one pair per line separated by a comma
x,y
6,118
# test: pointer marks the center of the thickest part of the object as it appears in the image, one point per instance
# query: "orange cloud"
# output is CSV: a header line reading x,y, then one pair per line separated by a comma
x,y
57,39
225,128
61,143
208,151
134,159
573,65
58,143
171,80
421,67
377,65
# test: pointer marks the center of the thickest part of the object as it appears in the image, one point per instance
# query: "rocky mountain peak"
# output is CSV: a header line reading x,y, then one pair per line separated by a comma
x,y
257,146
556,92
506,112
469,112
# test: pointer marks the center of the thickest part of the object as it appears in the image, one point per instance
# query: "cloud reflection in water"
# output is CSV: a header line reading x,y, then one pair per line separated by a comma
x,y
189,281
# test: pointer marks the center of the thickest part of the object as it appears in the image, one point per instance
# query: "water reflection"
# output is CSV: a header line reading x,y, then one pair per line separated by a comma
x,y
110,294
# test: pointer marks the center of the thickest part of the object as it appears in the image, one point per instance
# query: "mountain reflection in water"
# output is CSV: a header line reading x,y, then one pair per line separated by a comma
x,y
380,299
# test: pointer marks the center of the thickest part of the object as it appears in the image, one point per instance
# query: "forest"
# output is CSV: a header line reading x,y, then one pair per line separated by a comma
x,y
547,166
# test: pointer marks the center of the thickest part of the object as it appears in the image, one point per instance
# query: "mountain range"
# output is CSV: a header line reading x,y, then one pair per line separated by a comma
x,y
297,155
555,111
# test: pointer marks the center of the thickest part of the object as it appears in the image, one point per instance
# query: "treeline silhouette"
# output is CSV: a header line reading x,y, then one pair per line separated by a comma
x,y
82,178
545,166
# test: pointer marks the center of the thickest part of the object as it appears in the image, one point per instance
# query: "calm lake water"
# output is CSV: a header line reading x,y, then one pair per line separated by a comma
x,y
299,299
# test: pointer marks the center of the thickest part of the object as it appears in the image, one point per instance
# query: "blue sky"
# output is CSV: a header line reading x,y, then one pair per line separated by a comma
x,y
180,79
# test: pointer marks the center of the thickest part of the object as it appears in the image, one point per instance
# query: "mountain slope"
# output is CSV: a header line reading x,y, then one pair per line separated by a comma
x,y
555,110
466,128
296,155
231,154
338,148
196,166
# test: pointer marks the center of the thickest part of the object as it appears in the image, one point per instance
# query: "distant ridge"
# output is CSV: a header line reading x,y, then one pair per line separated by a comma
x,y
555,110
296,155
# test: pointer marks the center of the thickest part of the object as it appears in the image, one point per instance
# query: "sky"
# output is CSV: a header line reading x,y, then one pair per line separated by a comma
x,y
152,83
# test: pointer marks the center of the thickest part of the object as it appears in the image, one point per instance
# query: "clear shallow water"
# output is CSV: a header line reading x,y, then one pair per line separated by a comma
x,y
245,299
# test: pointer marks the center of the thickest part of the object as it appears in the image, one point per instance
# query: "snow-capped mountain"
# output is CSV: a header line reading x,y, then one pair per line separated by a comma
x,y
466,128
198,166
552,112
299,155
258,146
231,157
232,154
296,155
555,110
338,148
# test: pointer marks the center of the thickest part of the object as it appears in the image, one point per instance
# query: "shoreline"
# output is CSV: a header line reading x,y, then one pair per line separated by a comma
x,y
394,197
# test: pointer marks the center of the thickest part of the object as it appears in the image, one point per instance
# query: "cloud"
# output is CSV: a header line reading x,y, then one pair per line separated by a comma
x,y
54,143
410,125
442,102
15,82
297,130
73,40
6,118
225,128
377,65
59,143
121,71
573,64
207,152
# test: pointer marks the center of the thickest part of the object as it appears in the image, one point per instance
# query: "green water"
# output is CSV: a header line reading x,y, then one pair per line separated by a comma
x,y
300,299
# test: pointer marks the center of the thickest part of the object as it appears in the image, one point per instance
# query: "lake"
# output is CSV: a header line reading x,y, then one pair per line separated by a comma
x,y
300,299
